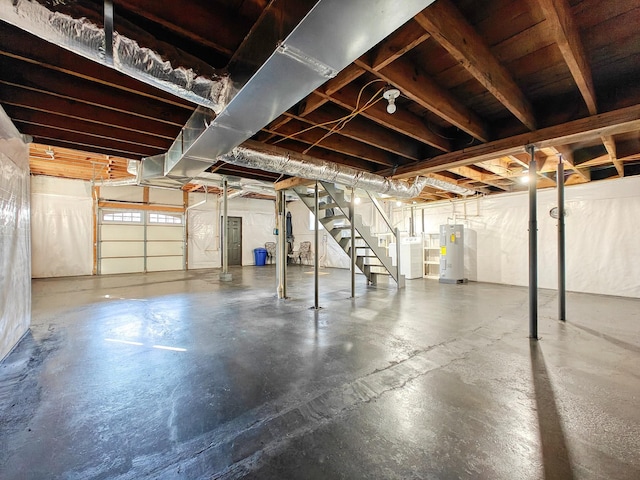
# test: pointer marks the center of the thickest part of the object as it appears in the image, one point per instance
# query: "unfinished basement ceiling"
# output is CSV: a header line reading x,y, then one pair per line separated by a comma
x,y
478,79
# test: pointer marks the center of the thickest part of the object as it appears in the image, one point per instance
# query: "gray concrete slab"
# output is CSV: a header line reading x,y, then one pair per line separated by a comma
x,y
179,375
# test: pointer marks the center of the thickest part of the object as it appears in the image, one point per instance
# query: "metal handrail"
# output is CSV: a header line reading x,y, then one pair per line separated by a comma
x,y
380,210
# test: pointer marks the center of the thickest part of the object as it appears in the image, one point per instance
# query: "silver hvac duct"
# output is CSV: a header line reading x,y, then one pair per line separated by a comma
x,y
331,35
273,159
448,187
84,38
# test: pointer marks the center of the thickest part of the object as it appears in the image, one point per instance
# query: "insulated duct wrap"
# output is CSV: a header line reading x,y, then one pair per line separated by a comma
x,y
448,187
271,159
85,38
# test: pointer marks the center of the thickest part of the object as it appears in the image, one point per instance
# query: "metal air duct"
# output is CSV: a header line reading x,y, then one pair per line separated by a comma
x,y
273,159
331,35
85,38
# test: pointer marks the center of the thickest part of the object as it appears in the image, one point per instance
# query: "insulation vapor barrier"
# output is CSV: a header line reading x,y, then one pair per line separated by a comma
x,y
15,248
84,38
257,156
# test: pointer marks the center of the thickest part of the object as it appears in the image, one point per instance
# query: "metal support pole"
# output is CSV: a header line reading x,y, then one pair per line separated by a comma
x,y
533,245
108,31
562,301
412,227
316,246
352,212
281,255
398,255
225,276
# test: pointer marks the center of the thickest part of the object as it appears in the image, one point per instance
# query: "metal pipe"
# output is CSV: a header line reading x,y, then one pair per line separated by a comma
x,y
533,246
412,229
352,211
108,31
398,255
315,253
225,276
562,304
281,257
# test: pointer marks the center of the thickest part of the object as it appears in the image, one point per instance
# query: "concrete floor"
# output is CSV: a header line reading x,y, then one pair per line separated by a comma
x,y
175,375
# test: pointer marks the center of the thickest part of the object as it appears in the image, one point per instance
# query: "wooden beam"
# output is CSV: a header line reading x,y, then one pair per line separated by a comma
x,y
567,155
19,98
497,166
610,145
402,121
450,29
365,131
292,182
420,88
337,143
610,123
140,206
398,43
567,36
473,174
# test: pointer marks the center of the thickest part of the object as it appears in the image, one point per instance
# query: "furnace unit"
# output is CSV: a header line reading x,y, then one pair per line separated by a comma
x,y
452,254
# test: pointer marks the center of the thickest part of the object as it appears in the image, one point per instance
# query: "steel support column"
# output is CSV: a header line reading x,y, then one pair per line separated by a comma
x,y
315,247
352,212
281,255
225,276
533,245
108,31
562,304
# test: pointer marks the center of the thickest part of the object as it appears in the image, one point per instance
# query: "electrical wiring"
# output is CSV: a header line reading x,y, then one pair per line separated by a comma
x,y
357,109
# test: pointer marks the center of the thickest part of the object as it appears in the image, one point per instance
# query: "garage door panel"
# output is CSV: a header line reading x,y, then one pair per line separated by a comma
x,y
155,232
121,265
122,249
155,249
122,232
160,264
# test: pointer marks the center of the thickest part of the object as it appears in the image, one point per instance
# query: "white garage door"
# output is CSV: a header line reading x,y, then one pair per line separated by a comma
x,y
137,241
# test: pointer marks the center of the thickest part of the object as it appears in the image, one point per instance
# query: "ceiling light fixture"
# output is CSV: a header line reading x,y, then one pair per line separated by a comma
x,y
391,94
49,151
525,177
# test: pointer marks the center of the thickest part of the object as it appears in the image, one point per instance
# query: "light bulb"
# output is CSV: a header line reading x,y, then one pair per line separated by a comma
x,y
525,178
391,108
398,203
357,200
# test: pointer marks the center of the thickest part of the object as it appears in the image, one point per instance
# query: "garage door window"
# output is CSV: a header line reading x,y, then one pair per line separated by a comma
x,y
165,219
121,217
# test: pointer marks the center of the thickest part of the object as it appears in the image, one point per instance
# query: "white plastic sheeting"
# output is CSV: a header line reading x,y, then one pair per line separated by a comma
x,y
61,235
15,254
258,223
602,231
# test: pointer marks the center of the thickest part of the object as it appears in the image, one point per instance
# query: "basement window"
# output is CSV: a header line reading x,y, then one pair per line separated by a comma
x,y
121,217
165,219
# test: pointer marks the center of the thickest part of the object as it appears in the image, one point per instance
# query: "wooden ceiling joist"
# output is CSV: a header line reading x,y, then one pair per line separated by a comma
x,y
419,87
450,29
610,123
567,37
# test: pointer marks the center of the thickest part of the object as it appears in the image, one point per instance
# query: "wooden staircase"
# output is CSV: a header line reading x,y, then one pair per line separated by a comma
x,y
371,259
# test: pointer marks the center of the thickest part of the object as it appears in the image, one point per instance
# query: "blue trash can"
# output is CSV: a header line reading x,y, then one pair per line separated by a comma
x,y
260,255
